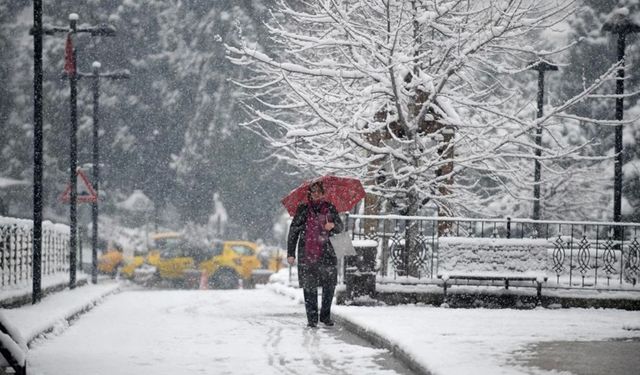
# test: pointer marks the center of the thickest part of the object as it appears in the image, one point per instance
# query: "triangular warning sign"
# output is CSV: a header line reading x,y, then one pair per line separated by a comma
x,y
86,192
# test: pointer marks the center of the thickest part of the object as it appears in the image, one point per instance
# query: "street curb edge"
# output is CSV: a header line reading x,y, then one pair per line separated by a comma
x,y
383,342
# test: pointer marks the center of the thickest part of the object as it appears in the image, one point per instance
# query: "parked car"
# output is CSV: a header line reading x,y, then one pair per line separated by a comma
x,y
187,262
177,261
110,261
160,241
130,265
232,262
113,260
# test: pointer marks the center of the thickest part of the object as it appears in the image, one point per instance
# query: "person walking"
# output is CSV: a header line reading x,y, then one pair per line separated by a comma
x,y
313,223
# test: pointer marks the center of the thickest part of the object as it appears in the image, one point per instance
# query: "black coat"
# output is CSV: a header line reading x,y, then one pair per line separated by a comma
x,y
297,234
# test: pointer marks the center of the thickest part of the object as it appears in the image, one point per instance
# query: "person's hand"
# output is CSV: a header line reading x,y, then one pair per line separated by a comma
x,y
291,260
329,225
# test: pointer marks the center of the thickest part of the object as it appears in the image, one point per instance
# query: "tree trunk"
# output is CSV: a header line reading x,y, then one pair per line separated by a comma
x,y
446,153
411,252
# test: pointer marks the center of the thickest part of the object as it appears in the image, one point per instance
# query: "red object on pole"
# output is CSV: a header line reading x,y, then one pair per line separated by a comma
x,y
343,192
87,193
69,63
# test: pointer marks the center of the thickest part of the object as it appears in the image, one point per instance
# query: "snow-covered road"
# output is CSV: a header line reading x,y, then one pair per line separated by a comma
x,y
204,332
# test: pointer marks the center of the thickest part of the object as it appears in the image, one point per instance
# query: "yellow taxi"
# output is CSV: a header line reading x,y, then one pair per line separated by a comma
x,y
160,241
177,260
110,261
130,266
232,263
113,260
223,264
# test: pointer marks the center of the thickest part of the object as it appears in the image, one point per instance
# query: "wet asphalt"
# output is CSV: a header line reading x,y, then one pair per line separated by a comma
x,y
615,357
386,360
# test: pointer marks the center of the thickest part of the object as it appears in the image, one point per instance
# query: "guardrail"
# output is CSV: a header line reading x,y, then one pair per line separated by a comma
x,y
16,250
580,253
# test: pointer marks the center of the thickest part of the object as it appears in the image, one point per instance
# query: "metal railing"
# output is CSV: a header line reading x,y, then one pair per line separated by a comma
x,y
16,250
580,253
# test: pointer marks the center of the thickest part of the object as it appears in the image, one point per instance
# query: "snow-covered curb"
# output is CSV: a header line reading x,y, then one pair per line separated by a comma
x,y
382,342
55,311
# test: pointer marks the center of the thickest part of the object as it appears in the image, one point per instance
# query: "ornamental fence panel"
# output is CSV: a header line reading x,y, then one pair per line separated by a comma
x,y
16,250
579,254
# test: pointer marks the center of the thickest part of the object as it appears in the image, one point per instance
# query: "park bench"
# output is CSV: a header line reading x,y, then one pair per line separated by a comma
x,y
447,280
487,261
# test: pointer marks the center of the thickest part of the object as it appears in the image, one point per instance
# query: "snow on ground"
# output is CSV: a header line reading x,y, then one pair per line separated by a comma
x,y
200,332
262,331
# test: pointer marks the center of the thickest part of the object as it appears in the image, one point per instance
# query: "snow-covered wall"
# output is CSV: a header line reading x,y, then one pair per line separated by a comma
x,y
493,255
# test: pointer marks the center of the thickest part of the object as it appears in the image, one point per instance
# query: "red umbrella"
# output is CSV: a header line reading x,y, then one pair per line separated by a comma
x,y
342,192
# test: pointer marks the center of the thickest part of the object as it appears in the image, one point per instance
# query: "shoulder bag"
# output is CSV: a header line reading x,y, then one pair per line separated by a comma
x,y
342,244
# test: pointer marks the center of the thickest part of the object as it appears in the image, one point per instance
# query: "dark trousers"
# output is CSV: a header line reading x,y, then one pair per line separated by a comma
x,y
311,277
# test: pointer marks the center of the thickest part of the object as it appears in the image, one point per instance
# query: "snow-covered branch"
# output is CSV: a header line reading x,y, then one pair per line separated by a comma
x,y
416,97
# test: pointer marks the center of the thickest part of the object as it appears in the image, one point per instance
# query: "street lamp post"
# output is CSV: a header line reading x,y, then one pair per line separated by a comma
x,y
541,67
38,31
73,156
95,79
96,174
619,23
36,295
100,30
96,76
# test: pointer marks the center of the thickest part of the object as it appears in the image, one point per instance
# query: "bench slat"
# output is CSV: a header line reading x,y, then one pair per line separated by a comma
x,y
487,277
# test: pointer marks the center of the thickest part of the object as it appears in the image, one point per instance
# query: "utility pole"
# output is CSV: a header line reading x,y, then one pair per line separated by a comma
x,y
619,23
38,31
70,68
96,76
73,153
36,295
541,67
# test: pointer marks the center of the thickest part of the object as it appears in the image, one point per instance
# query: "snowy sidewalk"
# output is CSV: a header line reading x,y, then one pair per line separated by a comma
x,y
445,341
180,332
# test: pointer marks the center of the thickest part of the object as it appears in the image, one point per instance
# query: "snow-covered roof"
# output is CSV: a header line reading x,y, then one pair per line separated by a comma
x,y
6,182
137,202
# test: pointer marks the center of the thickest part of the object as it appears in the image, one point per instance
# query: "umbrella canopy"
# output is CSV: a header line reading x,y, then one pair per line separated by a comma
x,y
342,192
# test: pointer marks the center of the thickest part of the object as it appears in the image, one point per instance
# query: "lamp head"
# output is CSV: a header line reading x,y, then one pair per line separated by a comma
x,y
73,21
